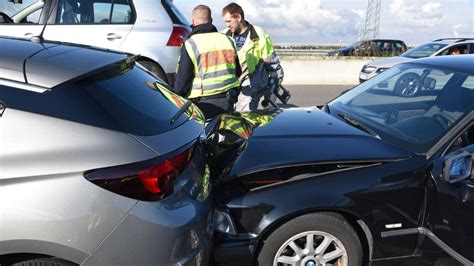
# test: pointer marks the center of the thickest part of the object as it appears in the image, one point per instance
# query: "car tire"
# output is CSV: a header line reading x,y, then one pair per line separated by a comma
x,y
407,85
46,261
155,69
330,233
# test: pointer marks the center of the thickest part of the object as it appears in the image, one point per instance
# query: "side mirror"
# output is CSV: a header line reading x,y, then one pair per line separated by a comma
x,y
457,167
429,83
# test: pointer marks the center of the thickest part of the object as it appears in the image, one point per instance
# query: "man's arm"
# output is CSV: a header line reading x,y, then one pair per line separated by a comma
x,y
272,60
184,74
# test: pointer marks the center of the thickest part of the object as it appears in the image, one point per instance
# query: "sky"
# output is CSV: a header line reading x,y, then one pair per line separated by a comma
x,y
326,22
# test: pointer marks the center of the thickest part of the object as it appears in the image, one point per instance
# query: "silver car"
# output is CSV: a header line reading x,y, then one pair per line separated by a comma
x,y
100,164
153,29
435,48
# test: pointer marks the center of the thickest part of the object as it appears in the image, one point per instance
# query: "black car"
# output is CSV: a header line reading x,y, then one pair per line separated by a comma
x,y
374,47
372,177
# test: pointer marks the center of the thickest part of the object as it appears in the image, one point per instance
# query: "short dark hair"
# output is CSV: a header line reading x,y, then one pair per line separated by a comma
x,y
233,9
204,8
202,13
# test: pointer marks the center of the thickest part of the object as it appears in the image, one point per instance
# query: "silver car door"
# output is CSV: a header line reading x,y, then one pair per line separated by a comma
x,y
97,23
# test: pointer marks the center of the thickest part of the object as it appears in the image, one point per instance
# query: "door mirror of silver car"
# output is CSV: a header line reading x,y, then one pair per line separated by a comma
x,y
458,167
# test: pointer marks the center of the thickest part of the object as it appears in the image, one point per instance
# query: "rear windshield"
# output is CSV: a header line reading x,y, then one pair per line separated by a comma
x,y
120,99
133,102
175,14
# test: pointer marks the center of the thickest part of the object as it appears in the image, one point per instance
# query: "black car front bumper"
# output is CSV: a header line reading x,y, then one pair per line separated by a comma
x,y
230,252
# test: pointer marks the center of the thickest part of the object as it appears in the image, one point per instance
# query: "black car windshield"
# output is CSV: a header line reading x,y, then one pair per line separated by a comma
x,y
410,105
354,45
423,50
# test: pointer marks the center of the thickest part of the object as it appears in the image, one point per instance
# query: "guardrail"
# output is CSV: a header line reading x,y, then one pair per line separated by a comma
x,y
302,52
324,70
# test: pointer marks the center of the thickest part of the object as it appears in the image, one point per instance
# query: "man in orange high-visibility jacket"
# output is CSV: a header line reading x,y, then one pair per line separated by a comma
x,y
208,67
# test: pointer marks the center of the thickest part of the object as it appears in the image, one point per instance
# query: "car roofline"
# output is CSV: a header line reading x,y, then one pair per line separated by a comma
x,y
41,89
23,85
78,45
453,39
128,60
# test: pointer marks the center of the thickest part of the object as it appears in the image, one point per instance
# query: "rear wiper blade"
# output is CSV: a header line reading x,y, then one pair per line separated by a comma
x,y
181,111
352,121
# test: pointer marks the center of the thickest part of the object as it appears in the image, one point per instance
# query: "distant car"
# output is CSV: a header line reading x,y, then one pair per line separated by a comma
x,y
153,29
100,163
375,47
376,177
434,48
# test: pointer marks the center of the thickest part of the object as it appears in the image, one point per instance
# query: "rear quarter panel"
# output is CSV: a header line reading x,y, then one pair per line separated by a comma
x,y
48,207
150,34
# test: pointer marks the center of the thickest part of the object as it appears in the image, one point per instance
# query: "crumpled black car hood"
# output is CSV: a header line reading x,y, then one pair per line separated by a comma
x,y
302,136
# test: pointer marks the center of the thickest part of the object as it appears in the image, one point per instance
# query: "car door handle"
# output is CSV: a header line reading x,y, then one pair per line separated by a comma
x,y
29,34
113,36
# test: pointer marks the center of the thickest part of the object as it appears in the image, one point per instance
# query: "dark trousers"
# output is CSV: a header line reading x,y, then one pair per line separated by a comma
x,y
215,105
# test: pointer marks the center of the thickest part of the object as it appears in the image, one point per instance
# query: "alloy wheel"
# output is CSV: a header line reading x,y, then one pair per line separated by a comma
x,y
312,248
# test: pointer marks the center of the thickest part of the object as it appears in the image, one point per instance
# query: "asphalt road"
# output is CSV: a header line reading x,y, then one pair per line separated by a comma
x,y
311,95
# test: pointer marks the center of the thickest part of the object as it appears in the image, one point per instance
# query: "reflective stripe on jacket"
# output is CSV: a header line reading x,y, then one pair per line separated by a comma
x,y
244,124
214,59
258,47
192,112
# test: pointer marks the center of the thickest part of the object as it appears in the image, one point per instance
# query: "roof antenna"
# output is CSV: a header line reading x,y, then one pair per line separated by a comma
x,y
39,38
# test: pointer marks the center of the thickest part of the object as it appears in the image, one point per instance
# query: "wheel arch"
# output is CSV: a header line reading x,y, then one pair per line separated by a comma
x,y
18,257
155,63
357,223
36,248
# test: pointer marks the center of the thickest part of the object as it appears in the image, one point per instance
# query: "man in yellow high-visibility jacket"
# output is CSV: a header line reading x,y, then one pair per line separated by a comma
x,y
260,64
208,68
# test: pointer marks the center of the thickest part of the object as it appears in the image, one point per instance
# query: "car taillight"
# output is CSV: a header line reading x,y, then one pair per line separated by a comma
x,y
178,35
148,180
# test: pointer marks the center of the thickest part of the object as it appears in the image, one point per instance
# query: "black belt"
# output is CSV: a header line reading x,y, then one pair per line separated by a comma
x,y
215,96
